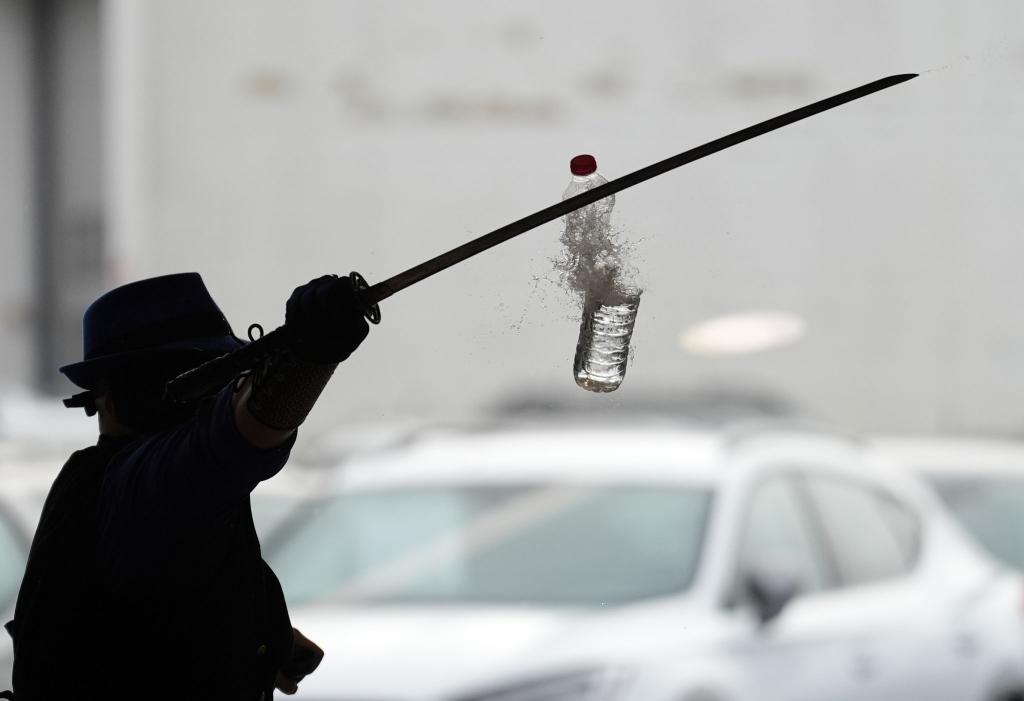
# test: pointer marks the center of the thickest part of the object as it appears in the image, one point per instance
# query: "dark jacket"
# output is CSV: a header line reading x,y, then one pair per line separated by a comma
x,y
145,578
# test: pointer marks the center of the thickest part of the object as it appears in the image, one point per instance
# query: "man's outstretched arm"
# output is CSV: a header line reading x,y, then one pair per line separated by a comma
x,y
241,438
258,434
326,326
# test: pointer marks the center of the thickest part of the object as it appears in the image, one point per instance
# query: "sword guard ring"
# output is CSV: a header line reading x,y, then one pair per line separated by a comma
x,y
372,312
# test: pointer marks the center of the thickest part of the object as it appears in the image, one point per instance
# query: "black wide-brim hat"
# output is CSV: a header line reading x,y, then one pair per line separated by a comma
x,y
166,314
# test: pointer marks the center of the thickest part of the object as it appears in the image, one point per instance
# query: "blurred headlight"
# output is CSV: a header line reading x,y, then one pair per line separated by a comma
x,y
589,685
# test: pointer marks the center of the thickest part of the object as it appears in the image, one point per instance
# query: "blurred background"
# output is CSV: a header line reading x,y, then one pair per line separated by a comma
x,y
263,144
866,263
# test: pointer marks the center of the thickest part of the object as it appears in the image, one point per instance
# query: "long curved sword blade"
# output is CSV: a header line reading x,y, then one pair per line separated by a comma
x,y
385,289
218,372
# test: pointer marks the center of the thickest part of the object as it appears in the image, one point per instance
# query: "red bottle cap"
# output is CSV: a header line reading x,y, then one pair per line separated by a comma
x,y
584,164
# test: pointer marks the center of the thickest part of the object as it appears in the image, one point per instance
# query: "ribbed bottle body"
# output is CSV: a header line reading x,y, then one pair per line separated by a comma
x,y
602,351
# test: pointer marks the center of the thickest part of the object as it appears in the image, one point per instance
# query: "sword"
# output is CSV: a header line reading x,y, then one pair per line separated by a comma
x,y
219,371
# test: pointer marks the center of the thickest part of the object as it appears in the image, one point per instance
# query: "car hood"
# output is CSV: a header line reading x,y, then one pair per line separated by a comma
x,y
399,653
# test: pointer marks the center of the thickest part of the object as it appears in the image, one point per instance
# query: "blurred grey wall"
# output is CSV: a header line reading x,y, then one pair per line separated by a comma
x,y
264,143
52,191
69,162
15,195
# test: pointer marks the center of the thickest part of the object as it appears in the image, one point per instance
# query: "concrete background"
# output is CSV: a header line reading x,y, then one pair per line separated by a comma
x,y
265,143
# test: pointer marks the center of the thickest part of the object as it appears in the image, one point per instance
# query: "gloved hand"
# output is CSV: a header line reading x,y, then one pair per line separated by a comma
x,y
306,656
324,320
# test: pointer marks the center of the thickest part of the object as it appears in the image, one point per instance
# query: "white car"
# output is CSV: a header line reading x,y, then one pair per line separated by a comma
x,y
646,563
981,480
14,542
24,482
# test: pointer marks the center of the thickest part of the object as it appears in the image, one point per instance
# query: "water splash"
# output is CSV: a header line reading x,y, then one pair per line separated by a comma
x,y
596,260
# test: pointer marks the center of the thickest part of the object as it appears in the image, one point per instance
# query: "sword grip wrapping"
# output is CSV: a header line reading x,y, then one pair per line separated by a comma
x,y
214,374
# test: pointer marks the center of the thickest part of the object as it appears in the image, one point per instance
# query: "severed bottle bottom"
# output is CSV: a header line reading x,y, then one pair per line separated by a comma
x,y
602,351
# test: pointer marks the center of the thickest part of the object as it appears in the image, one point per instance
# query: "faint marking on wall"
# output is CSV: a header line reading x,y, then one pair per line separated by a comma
x,y
519,33
267,84
607,82
359,98
488,107
16,316
768,84
362,100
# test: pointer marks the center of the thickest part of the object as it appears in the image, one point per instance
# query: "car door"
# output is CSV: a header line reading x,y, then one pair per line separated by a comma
x,y
898,645
802,653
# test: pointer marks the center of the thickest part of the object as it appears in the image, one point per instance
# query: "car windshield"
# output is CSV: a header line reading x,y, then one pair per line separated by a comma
x,y
539,544
992,509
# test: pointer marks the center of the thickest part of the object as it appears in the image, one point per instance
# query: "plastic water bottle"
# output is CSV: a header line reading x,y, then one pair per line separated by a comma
x,y
609,307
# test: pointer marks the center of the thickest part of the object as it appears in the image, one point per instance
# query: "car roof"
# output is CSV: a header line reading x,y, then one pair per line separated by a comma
x,y
565,450
585,454
955,455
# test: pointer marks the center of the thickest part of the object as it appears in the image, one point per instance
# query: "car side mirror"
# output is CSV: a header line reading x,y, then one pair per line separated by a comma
x,y
769,593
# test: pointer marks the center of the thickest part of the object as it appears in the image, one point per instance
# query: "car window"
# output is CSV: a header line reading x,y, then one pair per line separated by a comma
x,y
778,537
859,527
460,544
13,553
992,510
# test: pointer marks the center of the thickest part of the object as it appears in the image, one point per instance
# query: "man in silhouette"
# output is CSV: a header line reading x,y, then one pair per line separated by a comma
x,y
145,578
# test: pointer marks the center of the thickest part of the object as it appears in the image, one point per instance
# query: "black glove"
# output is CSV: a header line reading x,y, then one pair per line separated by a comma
x,y
324,320
305,658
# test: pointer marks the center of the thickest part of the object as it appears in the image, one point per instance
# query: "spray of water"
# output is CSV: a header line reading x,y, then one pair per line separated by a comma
x,y
596,260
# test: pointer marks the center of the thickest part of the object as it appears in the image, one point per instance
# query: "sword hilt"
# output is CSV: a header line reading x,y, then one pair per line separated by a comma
x,y
365,298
